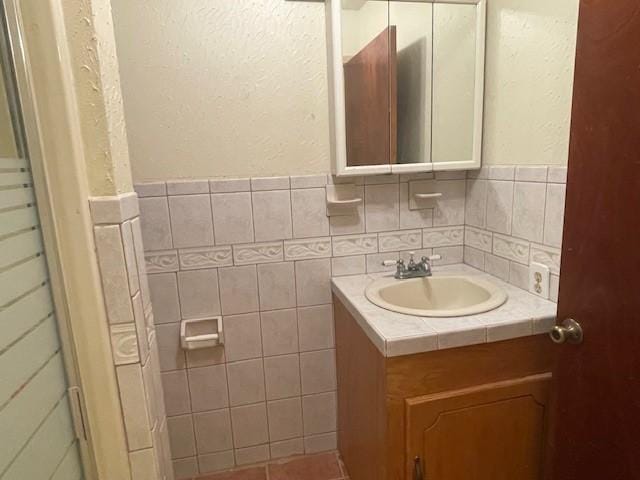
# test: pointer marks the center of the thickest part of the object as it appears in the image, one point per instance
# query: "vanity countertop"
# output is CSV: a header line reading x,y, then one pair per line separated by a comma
x,y
396,334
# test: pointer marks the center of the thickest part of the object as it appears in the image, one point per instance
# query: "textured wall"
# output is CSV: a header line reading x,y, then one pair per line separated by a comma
x,y
240,89
90,34
529,80
224,88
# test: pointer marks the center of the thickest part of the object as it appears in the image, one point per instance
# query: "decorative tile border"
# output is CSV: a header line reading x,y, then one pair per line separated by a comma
x,y
307,248
402,240
355,245
124,343
443,237
548,256
511,248
210,257
161,261
268,252
480,239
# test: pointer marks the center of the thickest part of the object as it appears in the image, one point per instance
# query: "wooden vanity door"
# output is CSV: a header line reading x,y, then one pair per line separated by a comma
x,y
489,432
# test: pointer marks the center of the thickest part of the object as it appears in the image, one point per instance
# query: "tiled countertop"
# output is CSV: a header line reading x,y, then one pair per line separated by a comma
x,y
396,334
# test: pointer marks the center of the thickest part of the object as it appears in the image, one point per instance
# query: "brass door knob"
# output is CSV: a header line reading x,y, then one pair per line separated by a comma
x,y
569,331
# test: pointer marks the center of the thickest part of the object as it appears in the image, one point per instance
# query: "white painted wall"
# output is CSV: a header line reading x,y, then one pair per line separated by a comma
x,y
231,88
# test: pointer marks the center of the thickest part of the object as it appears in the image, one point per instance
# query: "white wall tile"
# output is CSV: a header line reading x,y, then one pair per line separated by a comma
x,y
554,215
276,286
213,431
249,425
285,419
502,172
154,218
315,325
187,187
176,392
143,465
229,185
269,183
232,218
519,275
499,206
205,257
413,218
130,257
450,255
318,371
476,203
450,207
319,413
164,296
374,262
242,339
272,215
313,281
124,343
181,436
531,173
246,382
215,462
191,220
279,332
308,181
252,455
134,406
309,209
170,353
352,265
382,211
198,293
208,388
474,257
528,210
286,448
557,174
151,189
496,266
325,442
113,271
238,289
282,376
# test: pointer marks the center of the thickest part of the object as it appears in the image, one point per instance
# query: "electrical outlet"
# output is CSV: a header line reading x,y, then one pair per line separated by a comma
x,y
539,279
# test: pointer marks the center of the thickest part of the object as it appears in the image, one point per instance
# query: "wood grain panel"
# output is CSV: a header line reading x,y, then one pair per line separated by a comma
x,y
597,383
370,84
494,431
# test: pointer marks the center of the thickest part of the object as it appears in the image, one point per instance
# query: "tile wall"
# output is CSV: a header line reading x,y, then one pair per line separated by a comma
x,y
261,252
514,216
120,251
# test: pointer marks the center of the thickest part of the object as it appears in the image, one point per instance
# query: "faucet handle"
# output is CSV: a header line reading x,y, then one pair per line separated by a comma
x,y
389,263
431,258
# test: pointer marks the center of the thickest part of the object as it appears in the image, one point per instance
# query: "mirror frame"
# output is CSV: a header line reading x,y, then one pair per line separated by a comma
x,y
337,99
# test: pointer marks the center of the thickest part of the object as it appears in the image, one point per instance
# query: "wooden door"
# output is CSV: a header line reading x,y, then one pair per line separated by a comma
x,y
596,414
370,88
490,432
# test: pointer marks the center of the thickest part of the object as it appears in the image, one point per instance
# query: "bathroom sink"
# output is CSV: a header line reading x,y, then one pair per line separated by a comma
x,y
439,296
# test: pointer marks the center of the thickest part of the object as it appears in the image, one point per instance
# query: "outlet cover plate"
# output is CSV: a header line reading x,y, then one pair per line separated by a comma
x,y
539,279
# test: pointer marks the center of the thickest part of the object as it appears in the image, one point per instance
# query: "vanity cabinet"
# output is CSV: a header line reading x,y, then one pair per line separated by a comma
x,y
476,412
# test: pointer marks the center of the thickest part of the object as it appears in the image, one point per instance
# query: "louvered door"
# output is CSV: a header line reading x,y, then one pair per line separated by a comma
x,y
37,436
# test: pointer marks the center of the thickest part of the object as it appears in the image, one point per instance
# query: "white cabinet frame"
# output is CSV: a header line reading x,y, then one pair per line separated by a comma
x,y
337,100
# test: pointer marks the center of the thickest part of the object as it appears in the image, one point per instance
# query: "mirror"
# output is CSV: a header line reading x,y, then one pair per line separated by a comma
x,y
407,85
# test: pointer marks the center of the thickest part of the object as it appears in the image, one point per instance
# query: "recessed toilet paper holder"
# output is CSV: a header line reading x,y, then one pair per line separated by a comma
x,y
197,333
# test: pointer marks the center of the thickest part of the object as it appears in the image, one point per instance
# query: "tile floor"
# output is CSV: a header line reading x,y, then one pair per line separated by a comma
x,y
325,466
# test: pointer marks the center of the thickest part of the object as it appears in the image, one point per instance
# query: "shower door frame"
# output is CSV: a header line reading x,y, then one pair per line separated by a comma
x,y
26,129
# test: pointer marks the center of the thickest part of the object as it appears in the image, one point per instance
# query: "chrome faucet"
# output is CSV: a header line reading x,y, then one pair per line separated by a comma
x,y
413,269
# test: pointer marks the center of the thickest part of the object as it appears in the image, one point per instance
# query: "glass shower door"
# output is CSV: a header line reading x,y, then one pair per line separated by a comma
x,y
37,434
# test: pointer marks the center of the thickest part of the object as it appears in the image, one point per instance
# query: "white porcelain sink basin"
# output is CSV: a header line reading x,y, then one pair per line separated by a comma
x,y
439,296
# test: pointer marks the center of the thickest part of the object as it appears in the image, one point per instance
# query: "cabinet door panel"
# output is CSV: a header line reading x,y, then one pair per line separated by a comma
x,y
490,432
